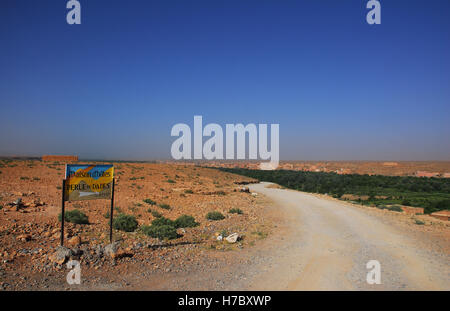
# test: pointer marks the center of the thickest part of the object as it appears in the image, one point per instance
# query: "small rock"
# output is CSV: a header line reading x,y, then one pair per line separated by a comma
x,y
219,238
99,251
232,238
24,237
74,241
111,250
76,252
61,255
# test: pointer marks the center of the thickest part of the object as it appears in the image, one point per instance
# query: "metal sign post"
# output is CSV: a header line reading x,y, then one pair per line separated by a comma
x,y
111,213
63,201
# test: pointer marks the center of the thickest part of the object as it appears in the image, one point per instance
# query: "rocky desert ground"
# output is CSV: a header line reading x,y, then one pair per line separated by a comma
x,y
30,231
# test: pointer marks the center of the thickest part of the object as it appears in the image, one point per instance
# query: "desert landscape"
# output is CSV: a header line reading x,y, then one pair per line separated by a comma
x,y
30,201
263,238
224,154
387,168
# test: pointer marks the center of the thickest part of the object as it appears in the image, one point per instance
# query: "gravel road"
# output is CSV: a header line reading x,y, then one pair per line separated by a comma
x,y
328,244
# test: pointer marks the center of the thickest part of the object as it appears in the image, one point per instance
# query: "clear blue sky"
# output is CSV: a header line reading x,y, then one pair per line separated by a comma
x,y
114,86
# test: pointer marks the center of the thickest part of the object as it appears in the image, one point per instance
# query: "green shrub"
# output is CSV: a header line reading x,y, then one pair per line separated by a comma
x,y
163,221
127,223
235,211
164,206
395,208
438,206
185,221
75,216
170,181
107,215
161,232
189,191
149,201
156,214
215,216
419,222
406,202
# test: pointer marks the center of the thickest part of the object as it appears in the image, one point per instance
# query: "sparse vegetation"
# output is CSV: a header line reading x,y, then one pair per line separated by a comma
x,y
123,222
419,222
215,216
161,232
74,216
185,221
235,211
156,214
260,234
188,191
149,201
163,221
165,228
164,206
395,208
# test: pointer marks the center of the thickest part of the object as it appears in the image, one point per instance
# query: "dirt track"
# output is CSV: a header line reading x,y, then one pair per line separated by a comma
x,y
331,242
325,244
